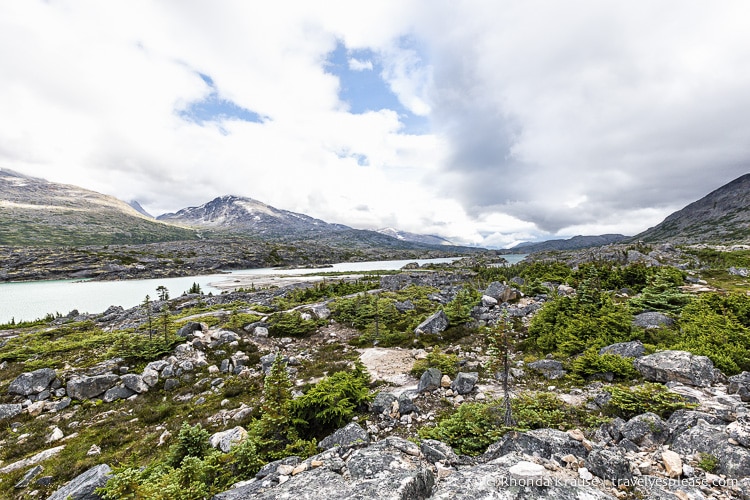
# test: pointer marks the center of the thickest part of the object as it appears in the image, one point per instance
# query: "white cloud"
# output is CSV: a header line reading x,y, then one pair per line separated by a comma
x,y
357,65
548,118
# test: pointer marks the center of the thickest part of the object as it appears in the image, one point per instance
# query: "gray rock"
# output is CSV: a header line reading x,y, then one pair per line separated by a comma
x,y
632,349
610,431
494,480
187,330
740,384
171,384
739,430
501,292
32,382
90,387
150,377
734,460
382,402
430,380
679,366
433,325
261,331
404,306
225,440
267,361
646,430
82,487
437,451
539,442
321,311
488,301
549,368
739,271
406,404
117,392
28,477
464,382
682,420
651,320
270,468
350,435
134,382
609,464
10,410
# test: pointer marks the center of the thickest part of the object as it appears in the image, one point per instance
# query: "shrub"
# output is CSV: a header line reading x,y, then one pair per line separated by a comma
x,y
332,402
291,324
446,363
458,311
192,441
592,363
662,294
708,462
717,327
627,402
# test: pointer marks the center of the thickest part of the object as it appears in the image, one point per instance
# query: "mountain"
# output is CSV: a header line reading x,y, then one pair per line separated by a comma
x,y
238,214
247,217
428,239
574,243
138,208
721,216
38,212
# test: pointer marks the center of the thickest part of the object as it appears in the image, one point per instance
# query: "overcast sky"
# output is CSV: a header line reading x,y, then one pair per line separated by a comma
x,y
486,122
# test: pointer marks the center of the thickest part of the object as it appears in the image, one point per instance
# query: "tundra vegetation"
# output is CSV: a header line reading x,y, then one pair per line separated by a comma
x,y
158,441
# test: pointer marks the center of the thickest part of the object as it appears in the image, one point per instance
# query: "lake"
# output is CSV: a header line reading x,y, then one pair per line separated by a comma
x,y
31,300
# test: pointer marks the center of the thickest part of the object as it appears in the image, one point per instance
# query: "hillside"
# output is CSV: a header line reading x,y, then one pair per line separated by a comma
x,y
722,216
574,243
428,239
41,213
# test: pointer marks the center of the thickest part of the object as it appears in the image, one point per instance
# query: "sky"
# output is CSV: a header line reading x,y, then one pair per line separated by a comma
x,y
485,122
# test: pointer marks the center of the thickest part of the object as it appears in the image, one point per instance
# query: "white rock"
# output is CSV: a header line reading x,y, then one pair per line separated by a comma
x,y
528,473
584,474
56,435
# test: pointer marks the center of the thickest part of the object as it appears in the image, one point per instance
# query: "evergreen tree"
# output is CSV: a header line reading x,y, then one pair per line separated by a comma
x,y
147,306
163,292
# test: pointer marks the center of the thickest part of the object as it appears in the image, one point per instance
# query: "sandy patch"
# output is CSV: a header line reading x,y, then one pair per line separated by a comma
x,y
389,365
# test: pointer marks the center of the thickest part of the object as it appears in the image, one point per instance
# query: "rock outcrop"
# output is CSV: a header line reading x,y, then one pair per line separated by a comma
x,y
678,366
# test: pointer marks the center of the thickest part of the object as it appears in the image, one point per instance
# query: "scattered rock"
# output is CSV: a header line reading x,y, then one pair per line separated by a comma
x,y
430,380
351,435
550,368
464,382
28,477
433,325
672,463
225,440
90,387
10,410
632,349
609,464
679,366
650,320
83,487
32,382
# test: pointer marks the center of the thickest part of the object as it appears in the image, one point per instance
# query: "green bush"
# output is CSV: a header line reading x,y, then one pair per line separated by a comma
x,y
458,311
291,324
708,462
662,294
570,325
475,426
627,402
331,403
192,441
446,363
592,363
717,326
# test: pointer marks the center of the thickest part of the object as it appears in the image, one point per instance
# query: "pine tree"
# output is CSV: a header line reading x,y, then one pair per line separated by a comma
x,y
147,306
274,429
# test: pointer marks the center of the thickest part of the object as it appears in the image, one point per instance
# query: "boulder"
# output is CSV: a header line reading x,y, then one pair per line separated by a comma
x,y
733,460
632,349
488,301
434,324
739,430
91,387
437,451
10,410
225,440
430,380
406,404
404,306
679,366
740,384
651,320
83,487
28,477
501,292
350,435
187,330
672,463
117,392
646,430
32,382
549,368
542,443
682,420
382,402
134,382
464,382
609,464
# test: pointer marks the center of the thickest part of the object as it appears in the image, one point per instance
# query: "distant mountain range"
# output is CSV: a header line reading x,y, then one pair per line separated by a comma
x,y
721,216
427,239
574,243
38,212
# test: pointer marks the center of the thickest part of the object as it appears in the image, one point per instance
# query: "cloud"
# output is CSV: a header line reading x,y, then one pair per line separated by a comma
x,y
357,65
492,122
